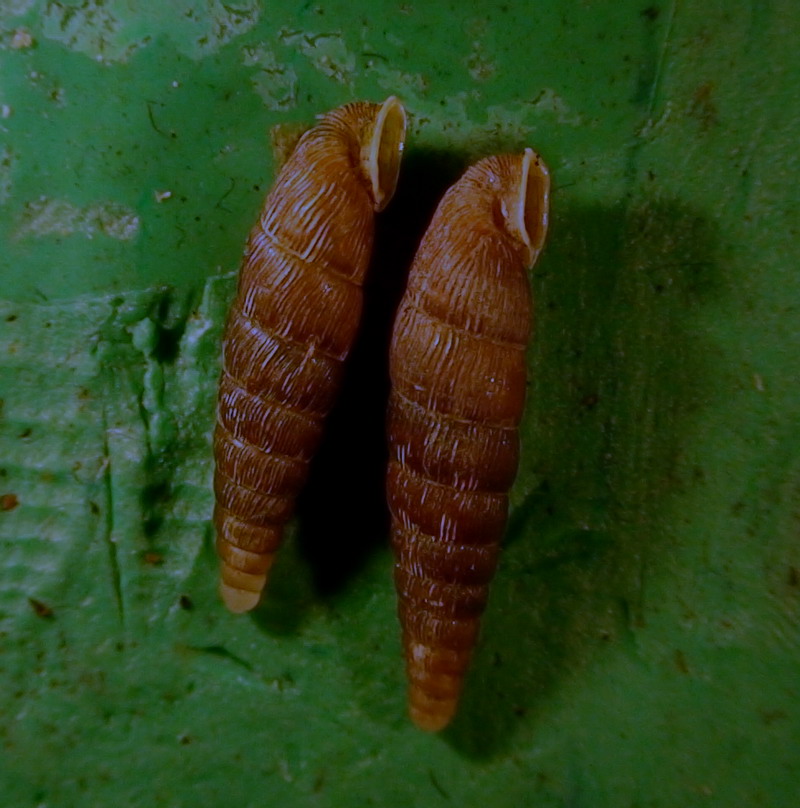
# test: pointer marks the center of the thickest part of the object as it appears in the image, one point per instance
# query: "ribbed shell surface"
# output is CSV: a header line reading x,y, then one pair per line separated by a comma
x,y
291,325
458,375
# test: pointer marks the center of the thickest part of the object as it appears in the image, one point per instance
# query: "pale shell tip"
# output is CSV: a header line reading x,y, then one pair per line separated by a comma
x,y
430,713
429,722
238,601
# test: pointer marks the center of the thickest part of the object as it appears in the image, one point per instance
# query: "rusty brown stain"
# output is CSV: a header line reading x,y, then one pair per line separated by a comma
x,y
703,106
8,502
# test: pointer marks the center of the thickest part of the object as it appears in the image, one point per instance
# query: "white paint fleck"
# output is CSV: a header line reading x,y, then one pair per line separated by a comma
x,y
285,772
21,39
57,217
651,126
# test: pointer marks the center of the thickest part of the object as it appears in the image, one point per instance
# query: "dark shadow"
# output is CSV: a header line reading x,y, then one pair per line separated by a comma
x,y
342,516
618,371
166,447
290,593
169,315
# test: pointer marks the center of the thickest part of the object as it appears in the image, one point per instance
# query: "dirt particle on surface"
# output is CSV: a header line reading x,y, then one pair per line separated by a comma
x,y
22,39
40,609
703,107
8,502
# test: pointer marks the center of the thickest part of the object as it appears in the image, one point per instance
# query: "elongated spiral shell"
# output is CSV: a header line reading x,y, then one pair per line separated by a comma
x,y
292,323
458,375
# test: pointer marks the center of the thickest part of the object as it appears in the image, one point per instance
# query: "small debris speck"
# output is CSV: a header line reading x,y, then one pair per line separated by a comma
x,y
40,609
8,502
22,39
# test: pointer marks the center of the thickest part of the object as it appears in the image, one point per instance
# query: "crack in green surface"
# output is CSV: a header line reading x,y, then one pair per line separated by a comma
x,y
130,351
108,489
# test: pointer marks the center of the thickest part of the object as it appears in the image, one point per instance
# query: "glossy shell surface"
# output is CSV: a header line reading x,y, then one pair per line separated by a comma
x,y
458,375
290,328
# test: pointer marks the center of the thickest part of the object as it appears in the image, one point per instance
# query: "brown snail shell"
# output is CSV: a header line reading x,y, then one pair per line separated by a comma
x,y
290,328
458,373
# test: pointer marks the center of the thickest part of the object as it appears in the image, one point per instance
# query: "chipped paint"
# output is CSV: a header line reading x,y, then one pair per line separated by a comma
x,y
479,66
14,8
90,28
444,115
198,28
549,102
410,86
508,123
216,23
327,52
274,82
57,217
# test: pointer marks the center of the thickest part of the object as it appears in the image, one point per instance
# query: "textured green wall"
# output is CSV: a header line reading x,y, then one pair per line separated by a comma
x,y
641,643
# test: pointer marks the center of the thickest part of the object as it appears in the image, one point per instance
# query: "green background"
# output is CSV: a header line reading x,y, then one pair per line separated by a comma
x,y
641,642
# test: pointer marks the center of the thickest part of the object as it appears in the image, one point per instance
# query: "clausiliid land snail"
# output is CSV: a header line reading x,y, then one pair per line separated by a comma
x,y
457,367
290,328
458,373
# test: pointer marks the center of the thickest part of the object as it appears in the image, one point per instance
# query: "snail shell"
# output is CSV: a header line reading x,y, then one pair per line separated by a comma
x,y
291,325
458,374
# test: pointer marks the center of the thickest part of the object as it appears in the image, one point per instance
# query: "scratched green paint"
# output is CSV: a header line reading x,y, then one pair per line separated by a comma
x,y
641,643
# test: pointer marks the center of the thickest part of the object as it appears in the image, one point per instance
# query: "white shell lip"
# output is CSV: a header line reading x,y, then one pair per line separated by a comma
x,y
385,150
519,223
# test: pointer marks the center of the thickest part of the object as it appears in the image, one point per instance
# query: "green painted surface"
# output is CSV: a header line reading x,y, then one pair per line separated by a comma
x,y
641,643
